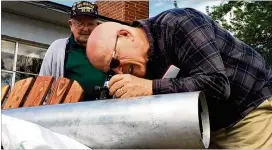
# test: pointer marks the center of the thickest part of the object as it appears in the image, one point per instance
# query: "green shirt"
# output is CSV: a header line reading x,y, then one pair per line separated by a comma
x,y
80,69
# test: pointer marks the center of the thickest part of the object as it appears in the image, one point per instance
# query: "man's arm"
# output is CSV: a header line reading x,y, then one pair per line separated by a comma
x,y
200,54
46,67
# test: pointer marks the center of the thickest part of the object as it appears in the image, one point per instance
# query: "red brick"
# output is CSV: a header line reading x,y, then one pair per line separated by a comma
x,y
127,11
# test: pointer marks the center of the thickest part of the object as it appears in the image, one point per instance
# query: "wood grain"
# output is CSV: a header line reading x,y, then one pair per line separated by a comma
x,y
4,92
75,93
59,91
39,91
18,93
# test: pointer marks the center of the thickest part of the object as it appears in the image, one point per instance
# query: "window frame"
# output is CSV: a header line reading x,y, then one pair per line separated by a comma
x,y
17,42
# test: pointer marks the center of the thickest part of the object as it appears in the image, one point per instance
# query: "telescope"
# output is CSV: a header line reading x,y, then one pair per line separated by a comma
x,y
178,120
103,91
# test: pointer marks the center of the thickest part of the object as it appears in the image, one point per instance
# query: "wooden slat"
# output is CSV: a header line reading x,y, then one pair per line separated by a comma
x,y
39,91
59,90
4,92
18,93
75,93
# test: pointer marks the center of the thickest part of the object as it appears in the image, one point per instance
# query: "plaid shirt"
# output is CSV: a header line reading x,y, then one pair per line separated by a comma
x,y
233,76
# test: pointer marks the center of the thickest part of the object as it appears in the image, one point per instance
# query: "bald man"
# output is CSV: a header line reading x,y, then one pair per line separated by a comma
x,y
234,77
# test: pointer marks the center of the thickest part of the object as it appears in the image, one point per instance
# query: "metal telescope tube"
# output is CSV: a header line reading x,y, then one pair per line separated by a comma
x,y
179,120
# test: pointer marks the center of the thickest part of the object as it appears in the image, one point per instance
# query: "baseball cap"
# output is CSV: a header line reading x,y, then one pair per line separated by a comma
x,y
84,8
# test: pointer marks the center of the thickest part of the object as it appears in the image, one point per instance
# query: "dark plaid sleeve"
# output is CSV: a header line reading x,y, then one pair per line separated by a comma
x,y
198,52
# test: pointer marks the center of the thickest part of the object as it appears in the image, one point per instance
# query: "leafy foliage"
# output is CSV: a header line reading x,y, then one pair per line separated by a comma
x,y
250,21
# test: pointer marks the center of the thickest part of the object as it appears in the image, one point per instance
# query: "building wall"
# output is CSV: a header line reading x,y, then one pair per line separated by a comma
x,y
126,11
26,28
24,43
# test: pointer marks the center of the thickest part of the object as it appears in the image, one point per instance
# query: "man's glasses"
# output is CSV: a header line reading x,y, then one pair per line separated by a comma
x,y
80,26
114,63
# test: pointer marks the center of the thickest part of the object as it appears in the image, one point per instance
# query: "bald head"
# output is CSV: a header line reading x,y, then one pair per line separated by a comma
x,y
101,44
130,51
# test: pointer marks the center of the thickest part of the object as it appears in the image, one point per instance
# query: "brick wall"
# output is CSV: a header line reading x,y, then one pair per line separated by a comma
x,y
126,11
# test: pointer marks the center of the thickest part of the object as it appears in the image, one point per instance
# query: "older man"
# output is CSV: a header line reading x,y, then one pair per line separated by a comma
x,y
67,57
233,76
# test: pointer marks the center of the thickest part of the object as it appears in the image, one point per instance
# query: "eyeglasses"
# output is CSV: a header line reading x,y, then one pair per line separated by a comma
x,y
80,26
114,62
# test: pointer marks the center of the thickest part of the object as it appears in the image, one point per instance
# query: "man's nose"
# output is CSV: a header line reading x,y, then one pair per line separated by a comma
x,y
118,70
86,29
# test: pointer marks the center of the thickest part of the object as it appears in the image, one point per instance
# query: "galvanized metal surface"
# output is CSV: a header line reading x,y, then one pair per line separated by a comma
x,y
163,121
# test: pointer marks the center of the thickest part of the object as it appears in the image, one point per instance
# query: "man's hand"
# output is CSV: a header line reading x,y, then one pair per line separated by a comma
x,y
126,85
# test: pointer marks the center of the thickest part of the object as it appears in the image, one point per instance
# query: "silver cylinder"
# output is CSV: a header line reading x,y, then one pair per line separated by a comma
x,y
179,120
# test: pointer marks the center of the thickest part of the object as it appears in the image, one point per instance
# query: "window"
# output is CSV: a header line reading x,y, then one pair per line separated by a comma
x,y
6,78
7,55
19,61
29,60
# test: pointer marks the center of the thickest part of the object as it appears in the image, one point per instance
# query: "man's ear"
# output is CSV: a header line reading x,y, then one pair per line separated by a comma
x,y
70,23
124,33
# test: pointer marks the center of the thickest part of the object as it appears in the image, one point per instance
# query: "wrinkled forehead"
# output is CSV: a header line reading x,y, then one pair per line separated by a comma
x,y
102,62
108,58
101,45
101,55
